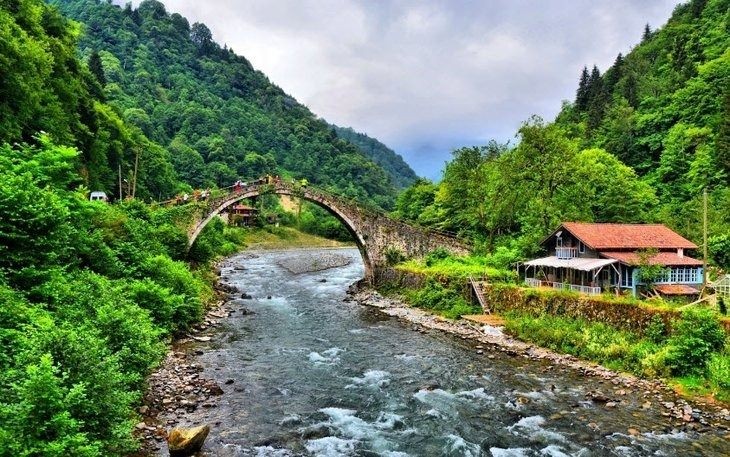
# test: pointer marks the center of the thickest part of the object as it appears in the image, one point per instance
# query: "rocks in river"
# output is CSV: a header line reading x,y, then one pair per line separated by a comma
x,y
246,296
307,263
229,381
184,442
598,396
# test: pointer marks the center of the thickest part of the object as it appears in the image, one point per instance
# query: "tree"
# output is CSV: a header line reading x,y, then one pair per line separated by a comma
x,y
202,38
582,94
647,33
96,68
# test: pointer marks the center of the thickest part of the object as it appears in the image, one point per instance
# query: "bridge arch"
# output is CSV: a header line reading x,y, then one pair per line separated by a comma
x,y
324,201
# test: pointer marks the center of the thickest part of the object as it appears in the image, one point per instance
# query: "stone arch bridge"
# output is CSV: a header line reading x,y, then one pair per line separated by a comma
x,y
373,231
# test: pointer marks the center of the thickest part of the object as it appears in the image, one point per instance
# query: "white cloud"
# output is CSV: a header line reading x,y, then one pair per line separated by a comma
x,y
427,76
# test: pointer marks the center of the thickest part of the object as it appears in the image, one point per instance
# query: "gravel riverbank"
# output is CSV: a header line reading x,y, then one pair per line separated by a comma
x,y
684,415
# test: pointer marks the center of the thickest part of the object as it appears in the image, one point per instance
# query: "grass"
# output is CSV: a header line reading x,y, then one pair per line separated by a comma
x,y
622,351
458,268
435,298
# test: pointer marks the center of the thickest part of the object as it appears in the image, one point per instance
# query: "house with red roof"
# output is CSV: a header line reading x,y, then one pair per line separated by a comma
x,y
594,257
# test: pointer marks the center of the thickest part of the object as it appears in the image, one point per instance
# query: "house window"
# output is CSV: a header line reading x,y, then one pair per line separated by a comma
x,y
581,247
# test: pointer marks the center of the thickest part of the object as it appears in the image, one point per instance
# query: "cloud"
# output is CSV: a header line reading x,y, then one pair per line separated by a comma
x,y
425,77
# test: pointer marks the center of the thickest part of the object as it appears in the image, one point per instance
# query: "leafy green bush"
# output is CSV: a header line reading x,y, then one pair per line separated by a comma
x,y
394,256
696,336
445,301
168,309
181,281
436,255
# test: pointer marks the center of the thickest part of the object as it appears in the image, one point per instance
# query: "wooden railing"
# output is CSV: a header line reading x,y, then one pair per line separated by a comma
x,y
588,290
565,253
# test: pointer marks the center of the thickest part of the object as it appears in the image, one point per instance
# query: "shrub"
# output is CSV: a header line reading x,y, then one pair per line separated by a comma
x,y
181,281
436,255
656,330
394,256
445,301
696,336
722,307
168,309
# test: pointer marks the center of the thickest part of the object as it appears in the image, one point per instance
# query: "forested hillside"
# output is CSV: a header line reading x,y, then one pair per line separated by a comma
x,y
90,292
399,171
640,143
218,117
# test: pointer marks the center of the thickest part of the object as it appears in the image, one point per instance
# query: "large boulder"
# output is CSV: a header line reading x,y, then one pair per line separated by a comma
x,y
184,442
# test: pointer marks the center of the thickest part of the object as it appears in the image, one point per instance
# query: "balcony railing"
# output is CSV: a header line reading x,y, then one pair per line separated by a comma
x,y
565,253
588,290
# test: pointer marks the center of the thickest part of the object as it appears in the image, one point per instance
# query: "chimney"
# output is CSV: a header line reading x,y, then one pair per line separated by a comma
x,y
680,252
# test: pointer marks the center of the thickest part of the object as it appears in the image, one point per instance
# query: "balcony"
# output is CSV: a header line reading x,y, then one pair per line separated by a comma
x,y
588,290
565,253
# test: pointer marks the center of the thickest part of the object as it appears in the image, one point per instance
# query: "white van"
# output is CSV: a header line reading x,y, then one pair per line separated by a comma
x,y
98,196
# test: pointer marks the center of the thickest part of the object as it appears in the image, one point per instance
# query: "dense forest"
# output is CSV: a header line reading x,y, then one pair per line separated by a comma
x,y
142,89
641,142
397,168
90,292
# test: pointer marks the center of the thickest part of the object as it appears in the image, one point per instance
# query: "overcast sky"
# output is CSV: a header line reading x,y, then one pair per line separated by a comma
x,y
429,76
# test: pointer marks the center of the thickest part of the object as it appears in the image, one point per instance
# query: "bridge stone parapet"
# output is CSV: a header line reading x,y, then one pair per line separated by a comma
x,y
373,231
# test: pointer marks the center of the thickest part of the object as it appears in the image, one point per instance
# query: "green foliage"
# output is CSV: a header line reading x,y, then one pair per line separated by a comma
x,y
400,172
208,115
721,305
443,300
649,272
656,331
394,256
442,265
696,337
639,144
89,292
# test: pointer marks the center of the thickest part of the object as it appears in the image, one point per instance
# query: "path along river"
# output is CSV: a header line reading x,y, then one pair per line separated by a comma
x,y
310,373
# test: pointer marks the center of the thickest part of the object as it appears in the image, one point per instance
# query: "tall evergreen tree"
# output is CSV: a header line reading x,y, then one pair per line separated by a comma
x,y
647,33
615,73
598,98
581,95
96,68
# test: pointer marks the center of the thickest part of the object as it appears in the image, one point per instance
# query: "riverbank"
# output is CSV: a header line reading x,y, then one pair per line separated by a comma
x,y
178,386
684,414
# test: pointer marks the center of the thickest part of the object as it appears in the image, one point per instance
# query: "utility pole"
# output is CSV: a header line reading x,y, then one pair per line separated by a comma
x,y
134,179
119,173
704,239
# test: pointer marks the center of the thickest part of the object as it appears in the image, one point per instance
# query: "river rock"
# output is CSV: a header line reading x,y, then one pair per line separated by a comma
x,y
184,442
246,296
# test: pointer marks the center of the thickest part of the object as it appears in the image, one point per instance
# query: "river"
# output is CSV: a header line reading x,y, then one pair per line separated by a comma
x,y
309,373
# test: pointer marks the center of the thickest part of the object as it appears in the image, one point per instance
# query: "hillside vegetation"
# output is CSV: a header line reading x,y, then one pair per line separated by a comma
x,y
640,143
218,117
90,293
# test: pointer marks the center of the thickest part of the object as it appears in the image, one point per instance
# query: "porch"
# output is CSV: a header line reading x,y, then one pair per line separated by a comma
x,y
583,275
588,290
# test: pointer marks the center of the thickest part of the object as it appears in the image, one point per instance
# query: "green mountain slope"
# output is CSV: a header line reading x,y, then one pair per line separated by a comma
x,y
219,118
640,143
664,109
400,172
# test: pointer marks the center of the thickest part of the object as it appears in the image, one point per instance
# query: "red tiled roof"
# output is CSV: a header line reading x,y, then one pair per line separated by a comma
x,y
676,289
662,258
627,236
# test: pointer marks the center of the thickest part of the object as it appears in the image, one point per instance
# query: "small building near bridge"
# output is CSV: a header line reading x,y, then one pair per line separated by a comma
x,y
242,215
592,258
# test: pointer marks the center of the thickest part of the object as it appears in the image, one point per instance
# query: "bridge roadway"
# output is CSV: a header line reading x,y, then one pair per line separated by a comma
x,y
373,231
